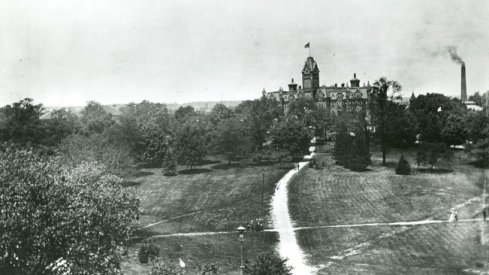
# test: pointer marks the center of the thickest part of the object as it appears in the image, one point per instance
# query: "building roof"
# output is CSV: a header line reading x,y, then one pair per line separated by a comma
x,y
311,65
472,106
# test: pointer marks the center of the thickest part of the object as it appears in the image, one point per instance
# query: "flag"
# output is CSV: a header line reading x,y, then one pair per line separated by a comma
x,y
307,45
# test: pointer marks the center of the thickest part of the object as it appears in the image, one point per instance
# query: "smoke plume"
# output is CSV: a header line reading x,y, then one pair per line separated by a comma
x,y
454,56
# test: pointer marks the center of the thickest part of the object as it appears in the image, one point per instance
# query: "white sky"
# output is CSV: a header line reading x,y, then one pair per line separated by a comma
x,y
63,52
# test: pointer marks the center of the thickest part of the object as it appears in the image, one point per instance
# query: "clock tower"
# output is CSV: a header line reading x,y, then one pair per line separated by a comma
x,y
310,74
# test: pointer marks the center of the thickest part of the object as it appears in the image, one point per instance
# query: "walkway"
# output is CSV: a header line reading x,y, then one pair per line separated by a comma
x,y
288,246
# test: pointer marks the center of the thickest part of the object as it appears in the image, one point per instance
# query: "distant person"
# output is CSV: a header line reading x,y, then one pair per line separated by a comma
x,y
453,215
484,214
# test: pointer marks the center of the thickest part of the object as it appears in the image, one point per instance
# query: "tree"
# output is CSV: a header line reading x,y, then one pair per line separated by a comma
x,y
290,134
432,112
146,127
359,157
479,99
230,138
454,132
54,215
403,167
432,153
400,132
478,133
380,97
191,143
20,122
94,118
156,143
182,114
61,124
342,145
115,156
259,116
220,112
268,264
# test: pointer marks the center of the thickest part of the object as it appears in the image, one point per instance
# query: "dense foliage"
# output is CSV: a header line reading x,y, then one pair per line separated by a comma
x,y
351,149
268,264
292,135
52,215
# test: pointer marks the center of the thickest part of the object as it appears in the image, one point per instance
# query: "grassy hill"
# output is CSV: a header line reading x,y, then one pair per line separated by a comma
x,y
333,196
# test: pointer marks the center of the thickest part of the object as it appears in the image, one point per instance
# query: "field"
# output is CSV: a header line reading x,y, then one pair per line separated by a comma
x,y
214,197
335,196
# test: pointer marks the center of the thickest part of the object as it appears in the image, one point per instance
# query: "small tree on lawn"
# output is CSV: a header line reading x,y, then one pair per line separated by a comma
x,y
403,167
268,264
169,163
342,145
359,156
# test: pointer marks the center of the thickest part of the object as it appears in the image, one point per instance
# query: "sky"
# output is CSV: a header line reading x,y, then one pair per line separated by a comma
x,y
67,52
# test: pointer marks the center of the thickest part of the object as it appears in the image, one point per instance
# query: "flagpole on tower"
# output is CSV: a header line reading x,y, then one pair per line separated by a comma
x,y
308,46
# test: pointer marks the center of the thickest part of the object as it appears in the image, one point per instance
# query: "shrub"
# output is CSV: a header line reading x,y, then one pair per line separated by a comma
x,y
148,251
166,269
206,269
403,167
269,264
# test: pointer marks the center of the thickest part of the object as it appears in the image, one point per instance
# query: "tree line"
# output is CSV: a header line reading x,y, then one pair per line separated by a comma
x,y
431,122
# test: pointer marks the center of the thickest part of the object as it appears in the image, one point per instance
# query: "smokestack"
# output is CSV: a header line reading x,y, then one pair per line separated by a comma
x,y
463,90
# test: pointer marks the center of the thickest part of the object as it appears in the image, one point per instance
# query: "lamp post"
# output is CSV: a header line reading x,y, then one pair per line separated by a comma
x,y
241,239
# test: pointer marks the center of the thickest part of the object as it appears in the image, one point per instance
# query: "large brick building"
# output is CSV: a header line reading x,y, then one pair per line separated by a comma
x,y
336,98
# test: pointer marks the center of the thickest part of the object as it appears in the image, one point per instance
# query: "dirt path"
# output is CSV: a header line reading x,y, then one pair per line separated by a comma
x,y
288,246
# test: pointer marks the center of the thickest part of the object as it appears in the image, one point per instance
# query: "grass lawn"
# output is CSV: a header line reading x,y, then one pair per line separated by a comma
x,y
212,197
335,195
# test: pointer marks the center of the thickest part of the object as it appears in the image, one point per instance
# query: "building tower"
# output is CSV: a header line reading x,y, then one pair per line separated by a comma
x,y
310,74
463,89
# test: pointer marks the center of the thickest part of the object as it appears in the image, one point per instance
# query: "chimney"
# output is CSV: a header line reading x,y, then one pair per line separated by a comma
x,y
463,95
293,86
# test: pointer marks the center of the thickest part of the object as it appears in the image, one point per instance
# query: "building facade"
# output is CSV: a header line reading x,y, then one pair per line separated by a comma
x,y
336,98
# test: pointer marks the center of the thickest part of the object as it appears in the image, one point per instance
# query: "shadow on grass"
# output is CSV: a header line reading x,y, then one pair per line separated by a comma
x,y
226,166
435,170
207,161
130,183
194,171
479,164
264,163
139,174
